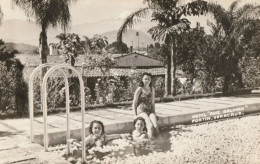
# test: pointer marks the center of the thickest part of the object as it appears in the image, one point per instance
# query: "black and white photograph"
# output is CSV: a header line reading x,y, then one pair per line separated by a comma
x,y
129,82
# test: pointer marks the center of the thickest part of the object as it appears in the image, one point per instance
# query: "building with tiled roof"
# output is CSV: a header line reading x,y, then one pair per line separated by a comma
x,y
126,64
136,60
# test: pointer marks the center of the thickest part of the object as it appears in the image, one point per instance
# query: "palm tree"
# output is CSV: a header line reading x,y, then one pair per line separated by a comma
x,y
46,13
169,16
232,23
1,15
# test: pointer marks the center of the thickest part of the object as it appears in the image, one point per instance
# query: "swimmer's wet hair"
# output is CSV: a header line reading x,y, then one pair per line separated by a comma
x,y
97,122
142,119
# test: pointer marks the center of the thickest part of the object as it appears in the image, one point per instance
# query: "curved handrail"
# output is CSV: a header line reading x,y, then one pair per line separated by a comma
x,y
31,108
30,96
44,104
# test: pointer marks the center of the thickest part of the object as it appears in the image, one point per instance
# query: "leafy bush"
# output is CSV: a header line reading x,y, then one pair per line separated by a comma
x,y
119,90
117,48
159,86
13,89
250,71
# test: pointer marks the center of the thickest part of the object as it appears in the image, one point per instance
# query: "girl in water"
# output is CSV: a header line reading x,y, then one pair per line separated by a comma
x,y
98,137
140,132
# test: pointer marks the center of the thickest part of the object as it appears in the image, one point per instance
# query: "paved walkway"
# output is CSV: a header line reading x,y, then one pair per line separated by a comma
x,y
14,134
15,146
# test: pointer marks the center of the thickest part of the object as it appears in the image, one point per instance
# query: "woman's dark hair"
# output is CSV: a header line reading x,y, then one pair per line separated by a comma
x,y
142,119
141,82
97,122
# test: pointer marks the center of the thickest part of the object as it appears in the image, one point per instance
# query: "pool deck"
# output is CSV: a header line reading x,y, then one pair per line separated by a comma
x,y
15,133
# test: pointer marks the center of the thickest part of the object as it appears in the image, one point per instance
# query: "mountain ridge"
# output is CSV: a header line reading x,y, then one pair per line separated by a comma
x,y
22,48
22,31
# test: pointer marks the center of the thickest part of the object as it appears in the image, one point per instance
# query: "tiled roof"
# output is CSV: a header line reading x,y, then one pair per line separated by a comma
x,y
137,60
35,60
124,60
127,65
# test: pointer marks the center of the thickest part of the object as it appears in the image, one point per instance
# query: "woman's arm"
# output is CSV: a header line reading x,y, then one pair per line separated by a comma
x,y
135,101
153,97
89,141
116,136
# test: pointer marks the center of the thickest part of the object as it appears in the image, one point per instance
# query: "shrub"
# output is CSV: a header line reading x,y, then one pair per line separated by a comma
x,y
13,89
117,47
159,86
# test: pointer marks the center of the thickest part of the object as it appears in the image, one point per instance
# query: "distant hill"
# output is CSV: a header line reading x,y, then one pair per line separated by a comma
x,y
22,48
129,37
22,31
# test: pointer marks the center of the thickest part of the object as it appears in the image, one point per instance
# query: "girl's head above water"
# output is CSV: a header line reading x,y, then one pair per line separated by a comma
x,y
139,124
97,128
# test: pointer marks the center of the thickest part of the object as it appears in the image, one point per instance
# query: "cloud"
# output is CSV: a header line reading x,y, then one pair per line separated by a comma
x,y
123,15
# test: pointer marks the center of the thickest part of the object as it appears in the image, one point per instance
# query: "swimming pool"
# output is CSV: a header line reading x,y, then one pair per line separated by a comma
x,y
234,140
119,149
122,148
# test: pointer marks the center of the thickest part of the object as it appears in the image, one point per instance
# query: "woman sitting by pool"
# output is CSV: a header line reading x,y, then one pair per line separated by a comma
x,y
143,104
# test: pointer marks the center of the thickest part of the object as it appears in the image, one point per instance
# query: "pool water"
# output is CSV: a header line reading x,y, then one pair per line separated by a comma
x,y
233,140
122,148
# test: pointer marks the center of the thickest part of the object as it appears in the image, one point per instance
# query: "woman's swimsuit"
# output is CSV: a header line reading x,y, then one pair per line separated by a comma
x,y
144,103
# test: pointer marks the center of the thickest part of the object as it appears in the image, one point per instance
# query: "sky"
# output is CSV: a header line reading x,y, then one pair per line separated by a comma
x,y
95,10
90,11
83,10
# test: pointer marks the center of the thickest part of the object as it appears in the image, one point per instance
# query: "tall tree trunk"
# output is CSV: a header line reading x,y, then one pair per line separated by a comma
x,y
173,68
43,46
44,51
240,80
226,83
167,81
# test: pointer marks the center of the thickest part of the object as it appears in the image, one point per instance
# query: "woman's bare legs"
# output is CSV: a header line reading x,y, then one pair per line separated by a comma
x,y
149,124
153,119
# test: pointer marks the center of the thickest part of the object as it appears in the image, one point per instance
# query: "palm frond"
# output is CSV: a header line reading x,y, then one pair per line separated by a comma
x,y
1,15
249,11
87,43
87,39
161,4
244,17
162,17
196,8
161,33
45,13
61,36
222,17
234,6
218,12
215,28
131,20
